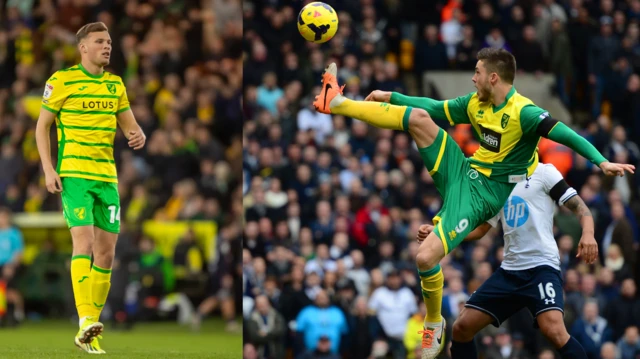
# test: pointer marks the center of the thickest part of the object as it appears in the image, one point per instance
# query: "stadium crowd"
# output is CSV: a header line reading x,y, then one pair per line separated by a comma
x,y
332,206
180,61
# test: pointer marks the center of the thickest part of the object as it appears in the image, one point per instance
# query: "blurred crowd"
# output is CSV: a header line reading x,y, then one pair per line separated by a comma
x,y
181,63
332,205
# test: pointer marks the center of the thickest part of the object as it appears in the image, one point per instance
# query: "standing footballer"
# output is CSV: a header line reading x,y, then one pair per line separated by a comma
x,y
87,105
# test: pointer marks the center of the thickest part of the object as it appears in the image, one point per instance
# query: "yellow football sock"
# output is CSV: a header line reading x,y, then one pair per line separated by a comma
x,y
432,282
80,270
100,285
378,114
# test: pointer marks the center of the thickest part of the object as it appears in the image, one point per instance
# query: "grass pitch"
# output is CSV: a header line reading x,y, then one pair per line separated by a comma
x,y
54,339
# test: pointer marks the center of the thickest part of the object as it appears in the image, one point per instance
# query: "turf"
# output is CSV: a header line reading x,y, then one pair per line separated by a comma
x,y
51,339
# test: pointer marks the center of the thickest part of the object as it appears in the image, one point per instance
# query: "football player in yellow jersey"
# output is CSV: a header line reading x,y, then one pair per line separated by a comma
x,y
87,104
508,127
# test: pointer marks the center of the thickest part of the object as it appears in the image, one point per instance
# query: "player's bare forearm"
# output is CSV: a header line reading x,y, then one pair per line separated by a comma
x,y
478,233
587,247
43,128
131,129
582,211
127,122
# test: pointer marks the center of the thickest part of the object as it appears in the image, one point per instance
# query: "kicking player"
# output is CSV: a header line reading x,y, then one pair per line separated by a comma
x,y
529,276
508,126
87,105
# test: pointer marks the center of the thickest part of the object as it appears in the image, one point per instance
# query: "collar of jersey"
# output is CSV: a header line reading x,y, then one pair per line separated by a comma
x,y
89,73
506,99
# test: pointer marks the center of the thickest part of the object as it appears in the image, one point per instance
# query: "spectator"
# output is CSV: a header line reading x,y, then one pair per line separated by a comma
x,y
266,329
592,330
321,320
414,325
12,245
363,328
560,60
546,354
601,52
629,344
393,305
625,309
608,351
503,347
322,350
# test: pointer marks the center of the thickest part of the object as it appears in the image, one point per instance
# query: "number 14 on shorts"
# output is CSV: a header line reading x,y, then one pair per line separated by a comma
x,y
115,214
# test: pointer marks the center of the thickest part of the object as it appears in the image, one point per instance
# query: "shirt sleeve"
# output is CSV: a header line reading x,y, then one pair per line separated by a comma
x,y
54,94
123,102
555,185
454,110
495,220
530,118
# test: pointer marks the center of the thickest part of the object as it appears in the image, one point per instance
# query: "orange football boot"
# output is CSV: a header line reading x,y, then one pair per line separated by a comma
x,y
330,89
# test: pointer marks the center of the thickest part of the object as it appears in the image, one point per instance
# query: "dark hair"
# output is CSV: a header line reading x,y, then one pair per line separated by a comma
x,y
89,28
499,61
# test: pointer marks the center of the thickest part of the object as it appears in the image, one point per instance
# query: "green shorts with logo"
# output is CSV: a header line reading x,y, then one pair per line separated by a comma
x,y
91,203
469,197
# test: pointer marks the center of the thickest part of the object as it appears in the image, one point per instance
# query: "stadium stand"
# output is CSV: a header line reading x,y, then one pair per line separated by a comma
x,y
180,195
332,205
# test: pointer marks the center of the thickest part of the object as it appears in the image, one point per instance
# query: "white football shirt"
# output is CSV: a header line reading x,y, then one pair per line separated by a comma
x,y
527,219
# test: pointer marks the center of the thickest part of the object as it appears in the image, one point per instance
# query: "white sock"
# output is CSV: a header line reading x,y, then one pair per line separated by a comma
x,y
81,321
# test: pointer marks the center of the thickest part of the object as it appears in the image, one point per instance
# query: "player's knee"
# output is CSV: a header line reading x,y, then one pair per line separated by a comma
x,y
553,328
426,260
82,248
421,126
462,331
430,253
104,255
419,119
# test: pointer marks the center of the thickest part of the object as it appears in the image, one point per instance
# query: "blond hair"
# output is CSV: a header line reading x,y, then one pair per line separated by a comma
x,y
89,28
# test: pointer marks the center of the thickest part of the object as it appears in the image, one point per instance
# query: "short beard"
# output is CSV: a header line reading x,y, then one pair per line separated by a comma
x,y
486,96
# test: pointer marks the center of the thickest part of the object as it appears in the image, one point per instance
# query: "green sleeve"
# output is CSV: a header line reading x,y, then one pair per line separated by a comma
x,y
530,118
454,110
534,119
562,134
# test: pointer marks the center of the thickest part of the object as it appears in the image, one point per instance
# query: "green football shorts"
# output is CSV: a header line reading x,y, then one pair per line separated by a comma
x,y
469,197
91,203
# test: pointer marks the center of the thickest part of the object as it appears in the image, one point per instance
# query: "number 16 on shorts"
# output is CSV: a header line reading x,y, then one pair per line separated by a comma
x,y
114,214
547,293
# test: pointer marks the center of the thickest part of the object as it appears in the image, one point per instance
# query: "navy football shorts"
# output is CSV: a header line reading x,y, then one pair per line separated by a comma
x,y
538,289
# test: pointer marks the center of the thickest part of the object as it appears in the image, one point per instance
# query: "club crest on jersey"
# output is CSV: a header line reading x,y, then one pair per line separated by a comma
x,y
80,213
505,120
111,88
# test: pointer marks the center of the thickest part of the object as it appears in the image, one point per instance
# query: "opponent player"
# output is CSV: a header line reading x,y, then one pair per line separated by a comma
x,y
87,104
529,276
508,126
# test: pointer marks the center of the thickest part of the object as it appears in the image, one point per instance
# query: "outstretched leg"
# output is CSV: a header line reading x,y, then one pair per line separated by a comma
x,y
379,114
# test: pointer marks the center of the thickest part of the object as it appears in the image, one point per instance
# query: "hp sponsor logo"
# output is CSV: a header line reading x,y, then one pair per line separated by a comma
x,y
516,211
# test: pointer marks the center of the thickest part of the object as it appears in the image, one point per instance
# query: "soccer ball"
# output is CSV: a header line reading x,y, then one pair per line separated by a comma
x,y
317,22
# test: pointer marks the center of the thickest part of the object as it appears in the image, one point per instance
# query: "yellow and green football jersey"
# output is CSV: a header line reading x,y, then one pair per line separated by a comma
x,y
85,106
